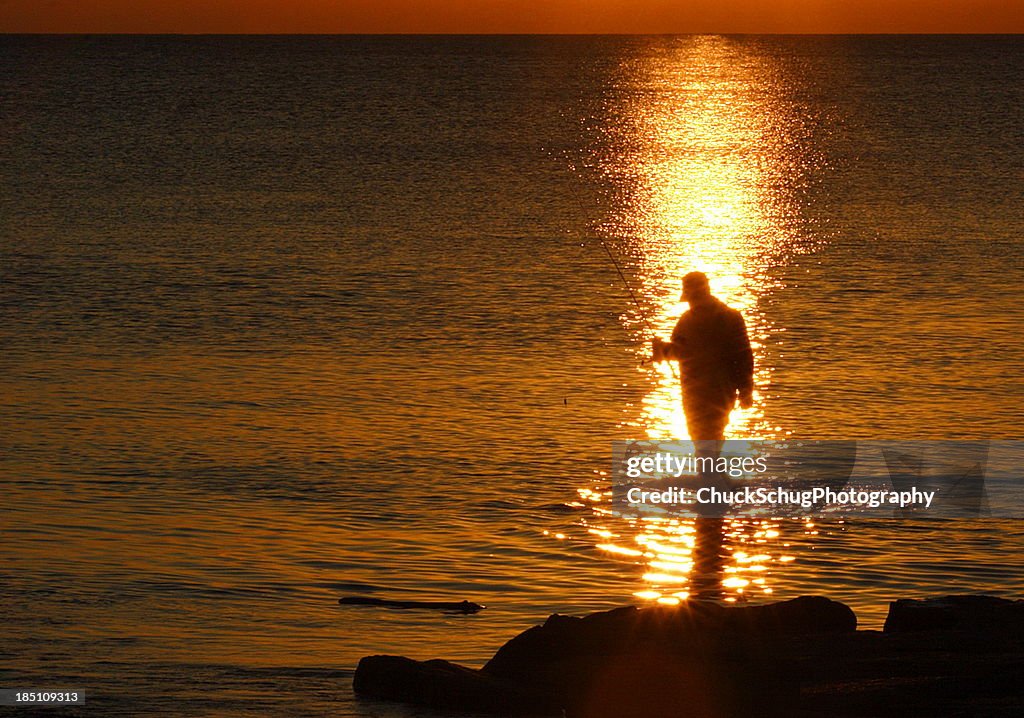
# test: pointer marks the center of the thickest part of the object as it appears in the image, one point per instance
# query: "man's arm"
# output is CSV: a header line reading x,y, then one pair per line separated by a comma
x,y
671,350
743,363
665,351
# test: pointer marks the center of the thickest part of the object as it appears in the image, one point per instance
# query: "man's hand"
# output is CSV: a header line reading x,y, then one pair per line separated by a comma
x,y
746,398
658,350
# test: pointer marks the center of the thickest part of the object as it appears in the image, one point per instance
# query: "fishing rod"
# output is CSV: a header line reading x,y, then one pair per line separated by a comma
x,y
586,216
611,256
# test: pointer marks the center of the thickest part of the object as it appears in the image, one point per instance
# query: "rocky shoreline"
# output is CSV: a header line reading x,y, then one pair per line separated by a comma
x,y
946,656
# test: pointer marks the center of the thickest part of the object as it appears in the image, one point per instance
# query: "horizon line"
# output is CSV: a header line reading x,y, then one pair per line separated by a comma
x,y
83,33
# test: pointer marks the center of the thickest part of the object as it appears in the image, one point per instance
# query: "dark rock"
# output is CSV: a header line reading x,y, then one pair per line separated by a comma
x,y
798,616
649,661
870,674
980,614
670,629
956,656
444,685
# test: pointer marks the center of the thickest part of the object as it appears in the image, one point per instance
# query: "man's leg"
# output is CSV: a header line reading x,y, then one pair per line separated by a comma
x,y
707,414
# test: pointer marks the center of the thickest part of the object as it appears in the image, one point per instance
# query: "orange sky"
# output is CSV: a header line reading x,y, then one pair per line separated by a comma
x,y
512,16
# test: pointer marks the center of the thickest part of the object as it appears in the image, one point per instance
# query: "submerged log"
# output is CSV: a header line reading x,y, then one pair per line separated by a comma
x,y
455,607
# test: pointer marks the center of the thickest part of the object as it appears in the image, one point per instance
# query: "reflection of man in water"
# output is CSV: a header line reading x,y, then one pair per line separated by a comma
x,y
708,559
711,345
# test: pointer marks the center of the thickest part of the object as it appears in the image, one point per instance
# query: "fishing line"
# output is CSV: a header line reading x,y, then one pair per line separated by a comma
x,y
611,256
586,216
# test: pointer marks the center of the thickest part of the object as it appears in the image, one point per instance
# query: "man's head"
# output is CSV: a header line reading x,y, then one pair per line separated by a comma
x,y
695,287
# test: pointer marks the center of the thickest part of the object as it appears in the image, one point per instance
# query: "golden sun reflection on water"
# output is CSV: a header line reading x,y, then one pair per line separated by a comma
x,y
729,560
707,160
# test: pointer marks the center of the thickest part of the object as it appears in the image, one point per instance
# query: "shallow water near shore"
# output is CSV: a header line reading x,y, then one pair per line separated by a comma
x,y
287,319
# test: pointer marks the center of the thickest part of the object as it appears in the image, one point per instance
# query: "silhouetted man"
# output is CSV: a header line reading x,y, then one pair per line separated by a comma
x,y
711,345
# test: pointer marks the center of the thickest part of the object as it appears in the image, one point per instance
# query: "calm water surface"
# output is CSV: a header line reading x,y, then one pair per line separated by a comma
x,y
284,319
